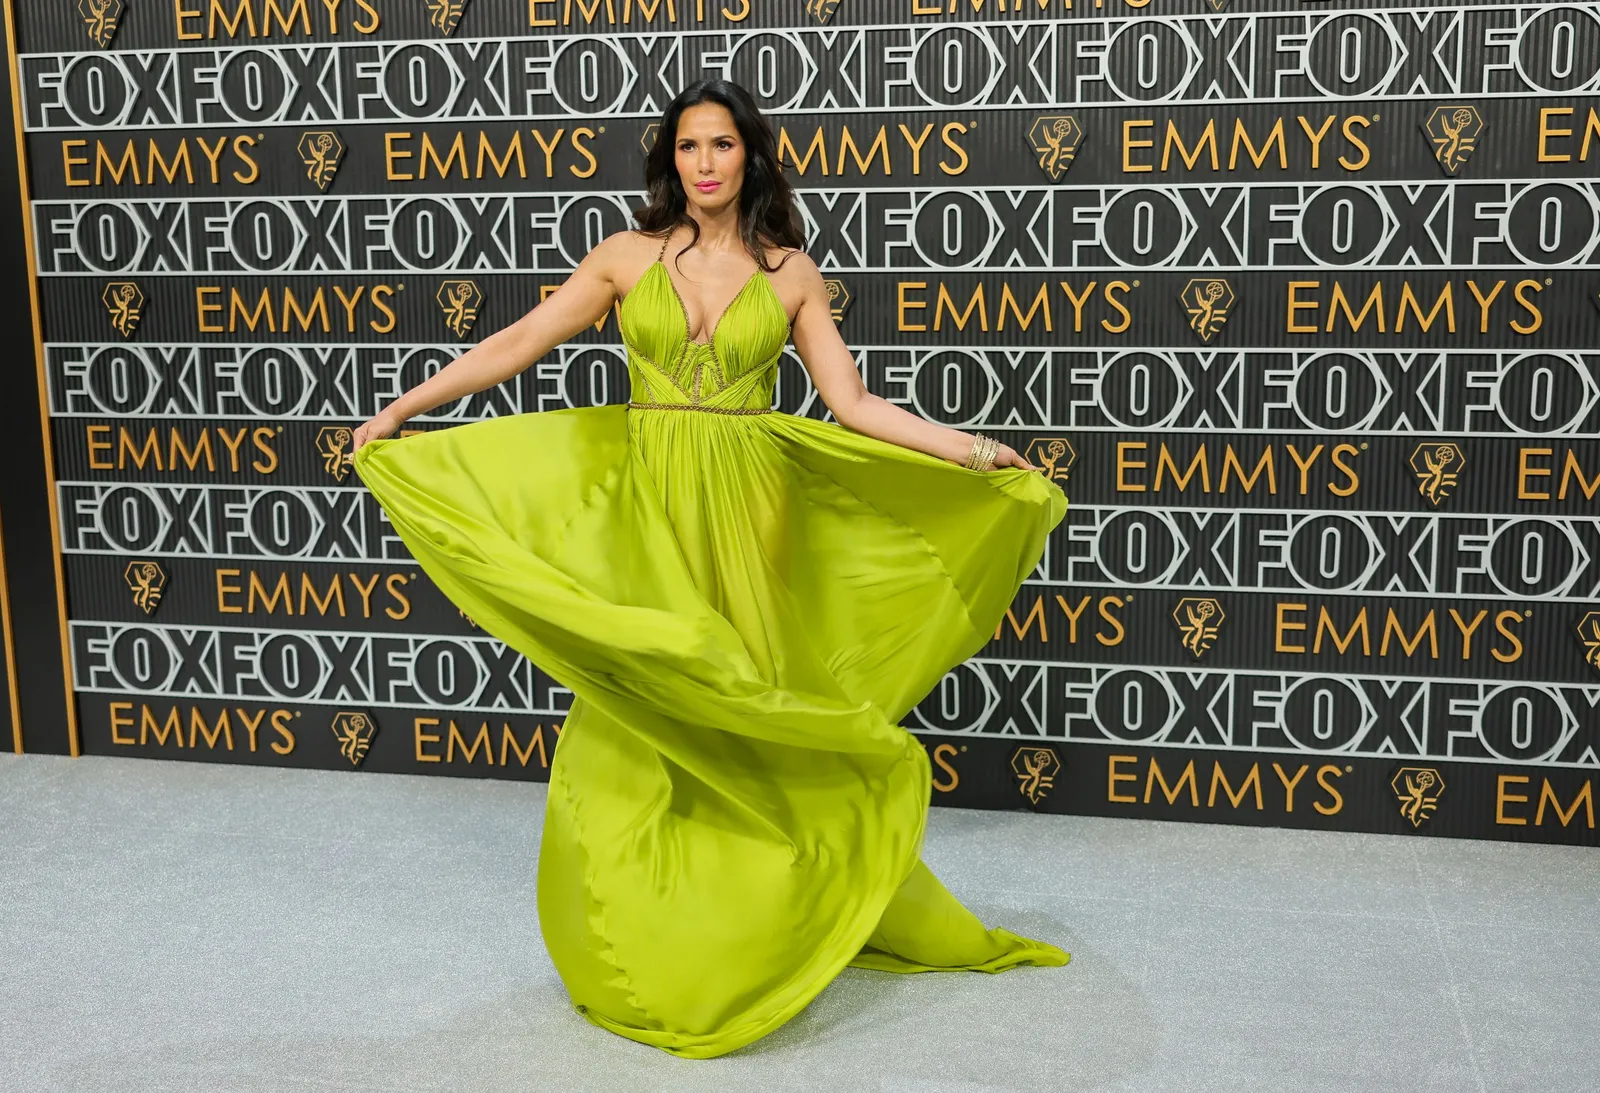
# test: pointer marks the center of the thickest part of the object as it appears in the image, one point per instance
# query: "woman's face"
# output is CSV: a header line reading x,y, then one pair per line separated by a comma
x,y
709,157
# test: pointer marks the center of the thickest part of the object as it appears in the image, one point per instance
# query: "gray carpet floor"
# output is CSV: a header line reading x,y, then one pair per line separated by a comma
x,y
184,927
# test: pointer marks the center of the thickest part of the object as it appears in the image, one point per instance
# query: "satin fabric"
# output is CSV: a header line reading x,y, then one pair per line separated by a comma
x,y
744,606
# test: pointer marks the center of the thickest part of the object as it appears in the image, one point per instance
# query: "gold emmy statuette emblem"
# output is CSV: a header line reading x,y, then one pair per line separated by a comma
x,y
468,617
1589,634
1055,455
821,10
126,303
100,19
1454,132
333,445
1438,469
1418,789
443,15
1199,619
1217,5
1055,139
647,139
838,298
1208,302
354,731
1036,770
461,301
146,581
320,150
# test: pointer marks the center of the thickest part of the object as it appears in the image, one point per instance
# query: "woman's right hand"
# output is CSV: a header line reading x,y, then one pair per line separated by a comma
x,y
377,427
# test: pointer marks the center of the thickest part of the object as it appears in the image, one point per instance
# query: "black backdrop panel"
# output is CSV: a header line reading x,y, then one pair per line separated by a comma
x,y
1300,304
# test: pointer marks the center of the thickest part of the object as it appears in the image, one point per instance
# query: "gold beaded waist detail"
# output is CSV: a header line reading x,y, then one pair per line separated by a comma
x,y
698,407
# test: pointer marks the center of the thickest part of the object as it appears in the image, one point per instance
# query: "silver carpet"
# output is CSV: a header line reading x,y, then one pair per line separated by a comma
x,y
219,929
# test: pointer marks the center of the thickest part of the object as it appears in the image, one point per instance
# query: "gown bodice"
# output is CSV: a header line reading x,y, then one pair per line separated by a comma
x,y
735,372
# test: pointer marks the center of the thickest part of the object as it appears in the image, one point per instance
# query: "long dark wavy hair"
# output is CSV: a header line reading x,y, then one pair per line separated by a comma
x,y
767,215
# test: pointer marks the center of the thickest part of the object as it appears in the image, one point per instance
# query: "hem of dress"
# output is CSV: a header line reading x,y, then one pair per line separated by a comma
x,y
1029,952
712,1045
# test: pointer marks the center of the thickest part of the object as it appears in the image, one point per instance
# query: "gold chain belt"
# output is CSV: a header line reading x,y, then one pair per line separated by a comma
x,y
693,406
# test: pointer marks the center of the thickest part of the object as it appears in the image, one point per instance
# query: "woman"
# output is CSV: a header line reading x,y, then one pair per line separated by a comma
x,y
744,603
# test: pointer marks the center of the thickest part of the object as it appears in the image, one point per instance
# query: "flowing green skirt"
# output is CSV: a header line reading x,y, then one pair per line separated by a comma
x,y
743,606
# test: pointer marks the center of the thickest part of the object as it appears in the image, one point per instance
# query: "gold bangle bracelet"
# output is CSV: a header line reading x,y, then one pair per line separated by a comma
x,y
981,455
991,446
971,463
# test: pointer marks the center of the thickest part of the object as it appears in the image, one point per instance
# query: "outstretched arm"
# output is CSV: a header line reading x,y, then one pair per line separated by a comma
x,y
580,301
833,373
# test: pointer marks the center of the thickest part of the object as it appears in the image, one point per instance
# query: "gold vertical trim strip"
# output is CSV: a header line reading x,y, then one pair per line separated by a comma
x,y
11,648
44,391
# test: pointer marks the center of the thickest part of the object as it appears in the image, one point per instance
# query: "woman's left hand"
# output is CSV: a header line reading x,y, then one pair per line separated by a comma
x,y
1006,456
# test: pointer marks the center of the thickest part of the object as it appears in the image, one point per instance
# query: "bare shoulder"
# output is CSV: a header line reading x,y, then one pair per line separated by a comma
x,y
622,257
625,251
794,268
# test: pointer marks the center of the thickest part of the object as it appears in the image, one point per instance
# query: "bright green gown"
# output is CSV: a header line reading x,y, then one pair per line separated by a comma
x,y
744,603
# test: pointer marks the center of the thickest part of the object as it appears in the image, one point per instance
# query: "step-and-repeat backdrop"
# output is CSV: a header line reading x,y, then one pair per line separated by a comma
x,y
1298,301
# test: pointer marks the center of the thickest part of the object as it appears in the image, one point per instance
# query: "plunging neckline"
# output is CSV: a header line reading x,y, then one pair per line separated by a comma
x,y
684,308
